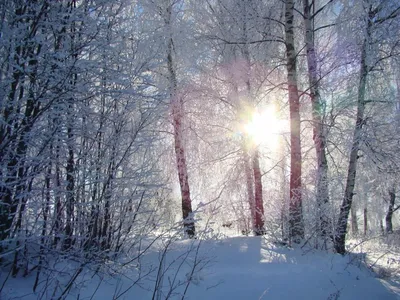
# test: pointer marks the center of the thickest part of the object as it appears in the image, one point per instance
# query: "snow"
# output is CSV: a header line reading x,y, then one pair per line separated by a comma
x,y
231,268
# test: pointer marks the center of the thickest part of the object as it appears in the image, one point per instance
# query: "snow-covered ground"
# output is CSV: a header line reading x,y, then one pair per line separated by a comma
x,y
231,268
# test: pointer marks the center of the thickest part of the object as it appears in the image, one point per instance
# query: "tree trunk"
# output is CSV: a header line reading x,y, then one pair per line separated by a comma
x,y
259,207
249,187
177,115
354,221
389,215
284,199
341,228
70,193
70,169
257,211
365,221
45,211
296,230
58,211
322,190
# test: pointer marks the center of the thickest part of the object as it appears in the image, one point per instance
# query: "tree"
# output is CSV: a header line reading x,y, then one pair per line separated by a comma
x,y
374,16
296,230
236,22
310,12
391,210
177,121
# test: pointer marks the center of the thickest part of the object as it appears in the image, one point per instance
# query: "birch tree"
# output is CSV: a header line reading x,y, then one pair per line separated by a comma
x,y
295,209
375,15
310,13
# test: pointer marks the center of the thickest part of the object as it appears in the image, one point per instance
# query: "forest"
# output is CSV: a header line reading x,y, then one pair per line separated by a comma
x,y
130,127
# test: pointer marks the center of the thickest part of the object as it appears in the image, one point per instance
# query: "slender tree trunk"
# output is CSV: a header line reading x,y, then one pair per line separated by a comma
x,y
381,226
177,115
70,193
354,220
365,221
106,231
259,207
71,168
95,198
45,210
296,230
284,199
389,215
249,187
258,202
57,198
322,190
341,228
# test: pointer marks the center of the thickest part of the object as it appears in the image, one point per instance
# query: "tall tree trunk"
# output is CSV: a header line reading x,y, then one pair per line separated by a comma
x,y
58,211
341,227
71,168
389,215
259,207
249,187
296,230
45,211
354,220
70,193
284,198
322,191
365,221
177,115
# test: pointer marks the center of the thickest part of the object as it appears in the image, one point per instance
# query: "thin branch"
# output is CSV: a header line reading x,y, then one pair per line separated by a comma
x,y
325,26
274,20
392,15
247,42
321,9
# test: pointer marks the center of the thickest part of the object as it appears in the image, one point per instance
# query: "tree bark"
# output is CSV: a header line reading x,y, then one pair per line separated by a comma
x,y
296,230
258,209
249,187
322,189
70,179
389,215
354,221
258,199
177,115
341,228
365,221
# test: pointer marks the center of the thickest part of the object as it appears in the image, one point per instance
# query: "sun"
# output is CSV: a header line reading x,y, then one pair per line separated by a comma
x,y
264,127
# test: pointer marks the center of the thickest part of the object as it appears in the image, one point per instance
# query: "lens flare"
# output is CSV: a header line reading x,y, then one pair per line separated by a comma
x,y
264,127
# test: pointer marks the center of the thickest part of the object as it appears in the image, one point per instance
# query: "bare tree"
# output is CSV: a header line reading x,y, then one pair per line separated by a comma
x,y
178,118
295,208
310,12
375,15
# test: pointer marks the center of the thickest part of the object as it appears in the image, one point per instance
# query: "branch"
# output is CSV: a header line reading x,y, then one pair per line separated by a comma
x,y
321,9
325,26
387,56
300,13
266,172
275,20
247,42
392,15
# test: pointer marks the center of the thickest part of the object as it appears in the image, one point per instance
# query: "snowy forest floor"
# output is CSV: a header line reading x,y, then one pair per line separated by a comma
x,y
230,268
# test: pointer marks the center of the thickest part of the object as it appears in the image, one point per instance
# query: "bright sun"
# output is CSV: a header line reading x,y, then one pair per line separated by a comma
x,y
264,127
